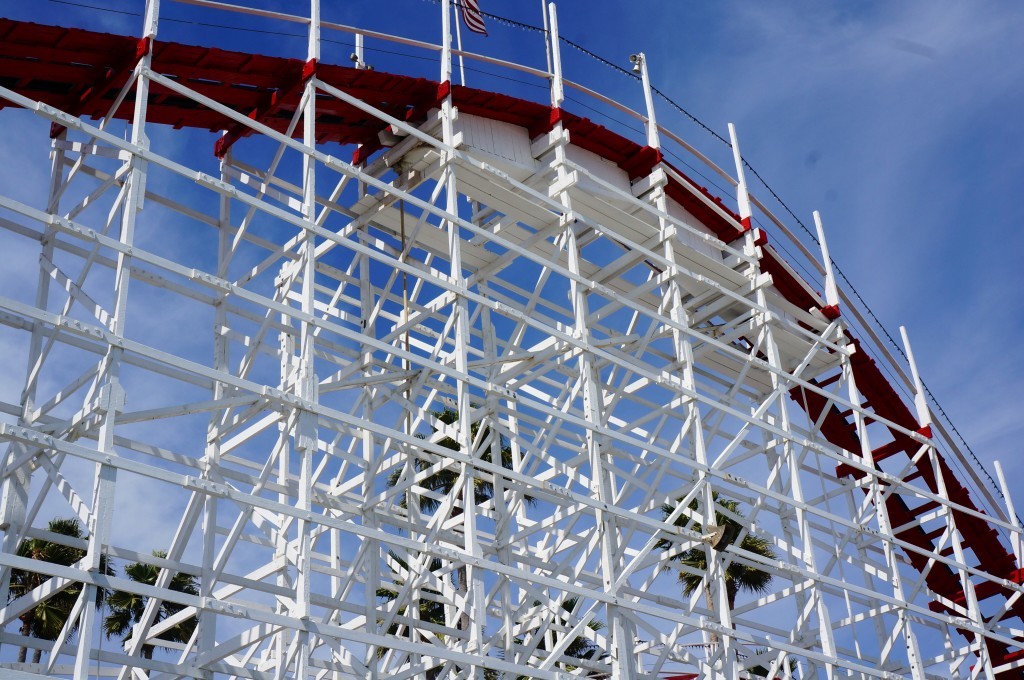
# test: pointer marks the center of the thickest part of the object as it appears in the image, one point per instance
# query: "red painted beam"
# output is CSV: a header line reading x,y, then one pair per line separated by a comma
x,y
287,93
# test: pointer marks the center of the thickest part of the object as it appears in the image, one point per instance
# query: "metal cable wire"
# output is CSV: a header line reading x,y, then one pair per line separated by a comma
x,y
102,9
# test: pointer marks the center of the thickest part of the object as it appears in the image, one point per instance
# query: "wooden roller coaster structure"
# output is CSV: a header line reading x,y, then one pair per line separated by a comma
x,y
475,390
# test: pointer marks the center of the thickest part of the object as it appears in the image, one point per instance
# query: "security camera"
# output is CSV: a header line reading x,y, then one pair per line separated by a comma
x,y
354,57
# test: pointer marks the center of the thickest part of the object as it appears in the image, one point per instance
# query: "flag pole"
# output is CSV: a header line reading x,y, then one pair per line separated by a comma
x,y
458,40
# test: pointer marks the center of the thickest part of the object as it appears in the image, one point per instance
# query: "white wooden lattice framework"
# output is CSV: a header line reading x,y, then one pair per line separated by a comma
x,y
273,354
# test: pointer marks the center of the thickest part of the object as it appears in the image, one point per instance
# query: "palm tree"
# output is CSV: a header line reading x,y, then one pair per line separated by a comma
x,y
582,647
443,481
126,609
431,610
738,576
47,619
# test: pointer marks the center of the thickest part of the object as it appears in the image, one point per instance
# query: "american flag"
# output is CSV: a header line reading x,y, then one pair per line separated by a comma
x,y
472,16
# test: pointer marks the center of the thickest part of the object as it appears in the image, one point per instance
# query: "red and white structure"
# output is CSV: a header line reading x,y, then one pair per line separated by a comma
x,y
262,335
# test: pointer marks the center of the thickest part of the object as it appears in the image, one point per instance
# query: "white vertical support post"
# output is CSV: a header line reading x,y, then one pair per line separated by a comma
x,y
513,599
458,42
716,592
884,527
306,381
743,202
651,124
623,658
207,624
360,56
557,86
831,291
924,420
274,652
790,451
112,394
446,41
1011,514
505,515
742,193
412,500
924,417
470,579
791,456
547,33
722,659
372,553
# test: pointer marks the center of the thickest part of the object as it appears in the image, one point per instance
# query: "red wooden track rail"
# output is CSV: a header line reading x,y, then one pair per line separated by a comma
x,y
81,72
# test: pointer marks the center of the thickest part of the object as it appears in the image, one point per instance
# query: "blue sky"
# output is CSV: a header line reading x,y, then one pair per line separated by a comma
x,y
899,121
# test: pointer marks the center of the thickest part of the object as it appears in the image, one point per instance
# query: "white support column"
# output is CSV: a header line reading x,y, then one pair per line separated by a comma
x,y
715,594
360,59
722,659
458,41
924,421
1011,514
470,577
207,624
305,436
505,516
274,654
791,455
547,33
112,397
446,41
623,657
885,528
557,88
370,460
790,452
651,124
742,194
831,290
